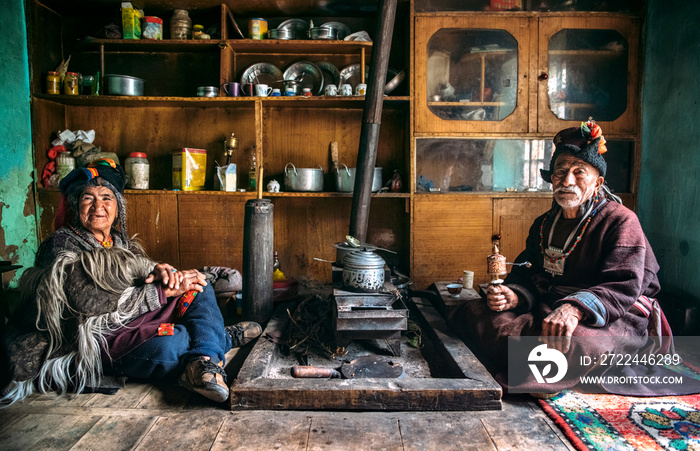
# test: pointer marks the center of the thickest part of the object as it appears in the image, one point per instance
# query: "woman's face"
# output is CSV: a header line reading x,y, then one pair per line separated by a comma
x,y
98,209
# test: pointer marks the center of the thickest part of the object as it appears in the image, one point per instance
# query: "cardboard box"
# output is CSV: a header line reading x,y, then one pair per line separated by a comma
x,y
131,21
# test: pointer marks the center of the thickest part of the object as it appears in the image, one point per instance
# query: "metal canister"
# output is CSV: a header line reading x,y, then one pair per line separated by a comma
x,y
70,84
53,83
257,28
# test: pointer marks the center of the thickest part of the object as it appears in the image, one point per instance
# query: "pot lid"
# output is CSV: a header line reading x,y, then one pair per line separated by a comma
x,y
363,258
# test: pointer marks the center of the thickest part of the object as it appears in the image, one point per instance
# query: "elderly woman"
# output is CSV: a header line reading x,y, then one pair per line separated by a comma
x,y
95,304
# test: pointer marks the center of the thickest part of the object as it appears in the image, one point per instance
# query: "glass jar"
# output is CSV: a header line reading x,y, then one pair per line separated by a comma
x,y
180,25
197,31
53,83
137,170
64,163
70,84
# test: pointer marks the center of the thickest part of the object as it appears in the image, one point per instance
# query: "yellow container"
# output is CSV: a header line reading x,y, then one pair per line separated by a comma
x,y
257,28
131,21
189,169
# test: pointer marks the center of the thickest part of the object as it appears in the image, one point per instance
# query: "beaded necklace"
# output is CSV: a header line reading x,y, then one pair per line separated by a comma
x,y
553,257
106,243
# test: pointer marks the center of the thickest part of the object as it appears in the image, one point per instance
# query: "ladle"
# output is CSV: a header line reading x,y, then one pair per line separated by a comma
x,y
354,242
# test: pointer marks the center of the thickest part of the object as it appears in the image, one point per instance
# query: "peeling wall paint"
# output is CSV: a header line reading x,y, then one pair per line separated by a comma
x,y
18,229
669,194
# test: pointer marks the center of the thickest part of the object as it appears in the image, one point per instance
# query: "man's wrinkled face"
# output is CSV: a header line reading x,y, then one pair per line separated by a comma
x,y
574,182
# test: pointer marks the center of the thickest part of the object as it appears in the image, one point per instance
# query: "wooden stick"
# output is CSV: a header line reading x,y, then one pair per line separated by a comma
x,y
260,176
362,65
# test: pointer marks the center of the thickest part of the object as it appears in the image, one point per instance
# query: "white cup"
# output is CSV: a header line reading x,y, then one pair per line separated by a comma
x,y
360,89
345,90
262,90
331,90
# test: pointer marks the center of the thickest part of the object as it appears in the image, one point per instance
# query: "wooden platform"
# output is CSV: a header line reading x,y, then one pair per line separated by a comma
x,y
448,376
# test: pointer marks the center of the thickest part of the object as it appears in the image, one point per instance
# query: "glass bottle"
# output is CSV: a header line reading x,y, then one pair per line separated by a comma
x,y
53,84
253,170
180,25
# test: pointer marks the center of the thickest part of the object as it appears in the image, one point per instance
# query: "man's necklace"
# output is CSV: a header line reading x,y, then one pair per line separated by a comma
x,y
106,243
554,258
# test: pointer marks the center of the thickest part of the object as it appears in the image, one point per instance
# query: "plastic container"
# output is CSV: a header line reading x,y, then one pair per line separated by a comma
x,y
197,31
180,25
53,83
152,28
137,170
189,169
64,163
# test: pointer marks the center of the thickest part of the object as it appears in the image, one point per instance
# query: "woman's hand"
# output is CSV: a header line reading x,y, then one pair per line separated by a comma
x,y
172,279
500,298
191,279
559,326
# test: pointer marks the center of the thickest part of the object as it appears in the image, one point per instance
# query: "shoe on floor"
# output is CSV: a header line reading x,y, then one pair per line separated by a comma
x,y
208,379
243,332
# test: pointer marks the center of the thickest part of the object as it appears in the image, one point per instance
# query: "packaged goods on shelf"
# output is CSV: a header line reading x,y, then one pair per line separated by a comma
x,y
131,21
189,169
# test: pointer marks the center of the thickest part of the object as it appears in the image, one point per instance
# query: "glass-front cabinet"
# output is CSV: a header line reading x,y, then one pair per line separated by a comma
x,y
510,73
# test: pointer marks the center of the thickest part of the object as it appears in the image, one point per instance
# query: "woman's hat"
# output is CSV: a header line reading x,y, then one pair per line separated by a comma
x,y
585,143
104,167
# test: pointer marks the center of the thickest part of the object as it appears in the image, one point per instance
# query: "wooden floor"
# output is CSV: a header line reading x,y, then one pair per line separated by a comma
x,y
145,417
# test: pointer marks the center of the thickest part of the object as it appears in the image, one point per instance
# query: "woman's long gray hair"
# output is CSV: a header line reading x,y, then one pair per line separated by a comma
x,y
113,270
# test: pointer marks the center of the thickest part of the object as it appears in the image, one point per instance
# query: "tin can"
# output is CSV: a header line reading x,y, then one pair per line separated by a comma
x,y
53,83
189,169
257,28
70,84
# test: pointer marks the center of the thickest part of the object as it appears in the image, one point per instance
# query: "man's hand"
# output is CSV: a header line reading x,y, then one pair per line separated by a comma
x,y
559,325
500,298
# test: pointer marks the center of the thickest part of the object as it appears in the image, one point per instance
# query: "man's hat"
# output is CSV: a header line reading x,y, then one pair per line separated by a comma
x,y
585,143
104,167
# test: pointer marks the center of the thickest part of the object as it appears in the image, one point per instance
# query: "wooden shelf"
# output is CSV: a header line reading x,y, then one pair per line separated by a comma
x,y
475,104
607,53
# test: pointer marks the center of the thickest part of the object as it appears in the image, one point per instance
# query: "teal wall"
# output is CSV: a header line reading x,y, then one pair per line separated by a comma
x,y
18,229
669,195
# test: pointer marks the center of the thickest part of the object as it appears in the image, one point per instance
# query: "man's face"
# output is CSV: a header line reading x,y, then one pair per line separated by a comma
x,y
574,181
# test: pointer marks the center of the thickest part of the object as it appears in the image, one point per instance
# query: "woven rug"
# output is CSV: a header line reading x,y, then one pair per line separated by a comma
x,y
612,422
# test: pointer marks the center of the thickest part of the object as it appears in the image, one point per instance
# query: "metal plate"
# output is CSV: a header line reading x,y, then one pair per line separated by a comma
x,y
307,74
342,29
331,74
266,73
351,74
299,26
367,366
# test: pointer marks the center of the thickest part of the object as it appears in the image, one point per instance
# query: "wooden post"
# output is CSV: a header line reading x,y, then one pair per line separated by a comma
x,y
258,249
369,135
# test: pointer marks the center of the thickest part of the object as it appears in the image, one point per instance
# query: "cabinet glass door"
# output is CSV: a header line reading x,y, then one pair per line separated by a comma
x,y
588,67
472,74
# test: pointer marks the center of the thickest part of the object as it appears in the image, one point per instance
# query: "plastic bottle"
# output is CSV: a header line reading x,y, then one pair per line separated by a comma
x,y
180,25
253,170
137,170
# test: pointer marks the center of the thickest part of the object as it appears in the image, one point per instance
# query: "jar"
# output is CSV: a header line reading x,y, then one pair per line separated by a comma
x,y
197,31
180,25
137,170
53,83
307,92
64,163
70,84
152,28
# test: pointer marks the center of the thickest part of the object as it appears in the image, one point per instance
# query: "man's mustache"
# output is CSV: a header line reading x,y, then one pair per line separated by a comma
x,y
567,189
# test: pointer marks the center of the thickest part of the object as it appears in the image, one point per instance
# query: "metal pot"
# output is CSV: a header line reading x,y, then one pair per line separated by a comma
x,y
303,179
281,33
343,248
207,91
363,270
345,179
323,33
124,85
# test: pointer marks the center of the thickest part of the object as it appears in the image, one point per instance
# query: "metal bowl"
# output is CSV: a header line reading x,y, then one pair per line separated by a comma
x,y
207,91
124,85
284,34
330,34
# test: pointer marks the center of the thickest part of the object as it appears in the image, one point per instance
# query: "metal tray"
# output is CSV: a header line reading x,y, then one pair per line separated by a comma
x,y
351,74
307,74
300,27
331,74
342,29
266,73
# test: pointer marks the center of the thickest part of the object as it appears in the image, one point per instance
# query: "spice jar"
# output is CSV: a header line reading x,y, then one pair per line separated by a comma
x,y
180,25
64,163
137,170
197,31
152,28
70,84
53,83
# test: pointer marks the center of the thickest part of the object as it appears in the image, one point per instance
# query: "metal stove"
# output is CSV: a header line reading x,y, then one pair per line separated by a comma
x,y
380,315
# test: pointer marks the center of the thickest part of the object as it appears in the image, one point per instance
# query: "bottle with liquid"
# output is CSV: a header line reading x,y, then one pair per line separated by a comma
x,y
252,174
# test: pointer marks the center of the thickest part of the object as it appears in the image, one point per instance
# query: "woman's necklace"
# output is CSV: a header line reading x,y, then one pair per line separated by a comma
x,y
554,258
106,243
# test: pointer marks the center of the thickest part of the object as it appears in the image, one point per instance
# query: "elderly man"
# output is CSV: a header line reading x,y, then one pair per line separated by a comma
x,y
592,273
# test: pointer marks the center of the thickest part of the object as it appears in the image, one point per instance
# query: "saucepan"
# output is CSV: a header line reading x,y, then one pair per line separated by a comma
x,y
345,179
303,179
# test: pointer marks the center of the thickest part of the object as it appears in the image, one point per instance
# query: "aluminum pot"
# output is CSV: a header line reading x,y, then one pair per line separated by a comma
x,y
342,249
345,179
124,85
363,270
323,33
281,33
303,179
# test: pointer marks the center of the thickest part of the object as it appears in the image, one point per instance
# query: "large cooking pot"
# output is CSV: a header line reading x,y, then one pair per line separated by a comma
x,y
342,249
363,270
124,85
303,179
345,179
